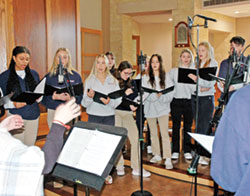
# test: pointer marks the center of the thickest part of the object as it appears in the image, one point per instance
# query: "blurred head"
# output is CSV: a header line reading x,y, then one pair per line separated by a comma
x,y
237,43
205,51
125,70
65,56
186,58
111,60
155,63
20,58
100,65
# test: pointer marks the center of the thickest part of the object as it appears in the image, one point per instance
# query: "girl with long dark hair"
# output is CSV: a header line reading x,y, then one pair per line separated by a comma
x,y
20,78
157,108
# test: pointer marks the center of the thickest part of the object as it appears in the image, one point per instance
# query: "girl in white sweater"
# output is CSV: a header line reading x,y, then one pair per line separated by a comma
x,y
157,108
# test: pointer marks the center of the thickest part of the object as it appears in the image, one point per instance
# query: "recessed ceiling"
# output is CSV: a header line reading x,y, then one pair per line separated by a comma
x,y
235,10
156,18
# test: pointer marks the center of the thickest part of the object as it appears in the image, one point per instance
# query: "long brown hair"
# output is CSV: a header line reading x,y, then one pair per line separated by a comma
x,y
162,73
123,65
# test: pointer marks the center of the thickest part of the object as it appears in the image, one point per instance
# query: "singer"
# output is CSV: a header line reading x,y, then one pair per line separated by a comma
x,y
57,78
226,67
19,78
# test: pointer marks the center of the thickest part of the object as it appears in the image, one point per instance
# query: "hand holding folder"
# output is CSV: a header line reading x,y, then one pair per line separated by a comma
x,y
203,73
112,95
164,91
30,97
78,89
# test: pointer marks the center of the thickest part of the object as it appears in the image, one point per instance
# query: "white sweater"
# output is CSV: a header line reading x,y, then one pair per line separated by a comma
x,y
206,83
97,109
182,90
154,106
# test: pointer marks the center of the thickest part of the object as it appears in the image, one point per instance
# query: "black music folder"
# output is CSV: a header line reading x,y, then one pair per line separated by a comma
x,y
89,153
164,91
127,102
112,95
203,73
49,90
30,97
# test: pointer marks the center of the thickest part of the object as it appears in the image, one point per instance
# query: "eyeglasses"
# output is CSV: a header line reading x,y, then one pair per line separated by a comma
x,y
128,73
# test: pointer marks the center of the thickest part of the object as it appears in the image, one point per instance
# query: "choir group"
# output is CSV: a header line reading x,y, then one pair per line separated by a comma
x,y
110,97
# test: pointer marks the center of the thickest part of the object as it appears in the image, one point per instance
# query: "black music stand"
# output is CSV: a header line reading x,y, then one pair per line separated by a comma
x,y
85,178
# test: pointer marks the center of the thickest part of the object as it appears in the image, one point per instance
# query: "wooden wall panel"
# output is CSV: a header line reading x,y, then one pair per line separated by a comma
x,y
61,28
30,31
3,55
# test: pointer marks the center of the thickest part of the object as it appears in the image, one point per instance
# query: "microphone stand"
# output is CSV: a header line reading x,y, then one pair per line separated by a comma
x,y
192,170
72,94
141,192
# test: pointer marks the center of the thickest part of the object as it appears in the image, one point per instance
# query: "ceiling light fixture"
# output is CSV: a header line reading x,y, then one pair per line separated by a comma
x,y
170,19
236,12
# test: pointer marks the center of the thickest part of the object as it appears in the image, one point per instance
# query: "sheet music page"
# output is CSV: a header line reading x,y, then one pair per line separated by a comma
x,y
205,140
40,87
89,150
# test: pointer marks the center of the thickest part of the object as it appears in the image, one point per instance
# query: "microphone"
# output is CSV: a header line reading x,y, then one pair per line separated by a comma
x,y
60,72
190,22
142,60
206,18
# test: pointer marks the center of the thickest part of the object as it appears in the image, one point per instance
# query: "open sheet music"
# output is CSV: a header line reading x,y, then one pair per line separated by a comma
x,y
206,141
88,150
112,95
164,91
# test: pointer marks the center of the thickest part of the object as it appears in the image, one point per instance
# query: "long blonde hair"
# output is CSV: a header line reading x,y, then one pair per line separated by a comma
x,y
190,53
210,53
53,68
93,70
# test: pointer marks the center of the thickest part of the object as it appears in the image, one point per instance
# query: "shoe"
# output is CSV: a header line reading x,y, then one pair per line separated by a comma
x,y
145,173
155,159
175,155
120,171
149,149
188,155
203,161
57,185
168,164
109,180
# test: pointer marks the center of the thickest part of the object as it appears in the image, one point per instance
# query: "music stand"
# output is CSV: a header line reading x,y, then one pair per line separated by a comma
x,y
75,173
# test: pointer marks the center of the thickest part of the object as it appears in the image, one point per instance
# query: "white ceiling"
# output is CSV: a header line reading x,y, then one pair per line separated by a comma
x,y
242,7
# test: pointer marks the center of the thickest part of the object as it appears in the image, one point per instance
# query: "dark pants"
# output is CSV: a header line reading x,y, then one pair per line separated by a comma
x,y
106,120
205,115
138,122
179,108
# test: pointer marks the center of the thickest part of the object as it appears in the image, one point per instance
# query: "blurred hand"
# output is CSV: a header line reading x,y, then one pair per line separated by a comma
x,y
61,96
128,91
222,84
231,88
193,77
204,89
91,93
19,104
65,112
12,122
133,108
105,101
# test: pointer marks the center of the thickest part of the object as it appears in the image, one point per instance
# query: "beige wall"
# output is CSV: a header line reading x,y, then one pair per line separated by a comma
x,y
91,14
243,29
157,38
